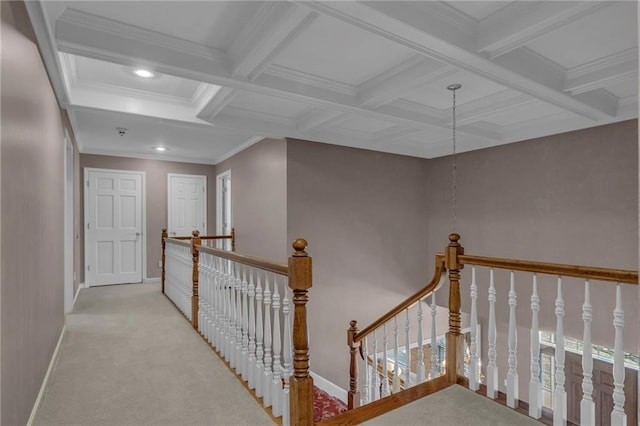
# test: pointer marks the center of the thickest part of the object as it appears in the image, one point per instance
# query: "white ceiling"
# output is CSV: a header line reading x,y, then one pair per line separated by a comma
x,y
363,74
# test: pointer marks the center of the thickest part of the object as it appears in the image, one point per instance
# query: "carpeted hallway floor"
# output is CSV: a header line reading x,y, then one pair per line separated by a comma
x,y
129,358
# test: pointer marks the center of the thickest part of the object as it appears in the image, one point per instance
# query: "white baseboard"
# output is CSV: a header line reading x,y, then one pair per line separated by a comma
x,y
52,363
329,387
151,280
80,287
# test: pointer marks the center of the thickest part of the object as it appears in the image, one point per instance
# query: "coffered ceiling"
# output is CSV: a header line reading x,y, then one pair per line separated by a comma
x,y
363,74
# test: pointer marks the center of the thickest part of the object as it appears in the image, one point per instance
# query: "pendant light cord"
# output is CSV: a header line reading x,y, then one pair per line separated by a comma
x,y
453,88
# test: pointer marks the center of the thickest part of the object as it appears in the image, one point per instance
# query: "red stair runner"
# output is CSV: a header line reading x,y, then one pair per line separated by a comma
x,y
325,405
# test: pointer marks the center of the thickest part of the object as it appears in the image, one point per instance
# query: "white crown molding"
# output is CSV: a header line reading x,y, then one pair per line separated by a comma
x,y
74,126
489,106
310,79
246,144
410,106
174,158
203,94
600,64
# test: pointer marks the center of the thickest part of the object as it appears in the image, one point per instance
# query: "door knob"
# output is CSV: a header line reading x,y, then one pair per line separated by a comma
x,y
137,234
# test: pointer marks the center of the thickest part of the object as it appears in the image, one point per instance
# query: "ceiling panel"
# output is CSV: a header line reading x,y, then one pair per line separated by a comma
x,y
624,89
97,133
526,112
436,95
609,30
363,124
92,71
334,50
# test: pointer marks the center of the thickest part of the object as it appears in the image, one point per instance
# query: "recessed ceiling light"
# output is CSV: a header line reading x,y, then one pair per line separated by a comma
x,y
160,148
143,73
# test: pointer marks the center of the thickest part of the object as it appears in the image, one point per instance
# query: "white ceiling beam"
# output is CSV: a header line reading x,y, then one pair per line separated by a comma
x,y
271,29
47,43
104,39
413,31
522,22
100,38
217,103
602,72
393,83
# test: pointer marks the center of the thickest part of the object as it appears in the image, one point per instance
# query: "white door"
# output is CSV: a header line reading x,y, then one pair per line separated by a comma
x,y
224,214
187,204
113,227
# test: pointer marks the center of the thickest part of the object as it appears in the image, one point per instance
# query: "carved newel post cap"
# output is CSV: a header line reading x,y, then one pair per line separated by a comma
x,y
299,245
353,324
454,238
164,230
195,233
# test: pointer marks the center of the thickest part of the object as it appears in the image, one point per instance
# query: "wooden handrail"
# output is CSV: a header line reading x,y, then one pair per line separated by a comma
x,y
585,272
438,278
179,241
277,268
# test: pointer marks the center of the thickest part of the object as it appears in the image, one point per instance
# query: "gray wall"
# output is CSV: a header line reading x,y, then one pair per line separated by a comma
x,y
568,198
31,226
259,199
156,177
364,216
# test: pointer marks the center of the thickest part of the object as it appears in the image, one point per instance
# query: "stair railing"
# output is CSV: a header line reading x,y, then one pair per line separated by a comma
x,y
242,306
533,274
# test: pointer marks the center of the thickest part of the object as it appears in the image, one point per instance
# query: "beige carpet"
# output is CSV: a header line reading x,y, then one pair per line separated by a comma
x,y
454,406
130,358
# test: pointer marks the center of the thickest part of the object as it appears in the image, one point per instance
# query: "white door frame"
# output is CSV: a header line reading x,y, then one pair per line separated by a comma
x,y
219,203
143,237
204,204
69,274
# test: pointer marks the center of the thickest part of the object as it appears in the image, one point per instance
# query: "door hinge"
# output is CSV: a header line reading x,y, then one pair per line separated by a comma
x,y
88,184
89,225
88,267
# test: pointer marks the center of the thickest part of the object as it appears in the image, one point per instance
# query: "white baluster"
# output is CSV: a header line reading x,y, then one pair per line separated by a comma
x,y
559,393
473,355
259,336
244,350
492,369
376,375
396,375
227,309
287,355
435,370
219,315
366,395
268,373
512,341
535,387
251,358
420,367
276,387
587,405
239,315
618,416
407,348
233,316
385,363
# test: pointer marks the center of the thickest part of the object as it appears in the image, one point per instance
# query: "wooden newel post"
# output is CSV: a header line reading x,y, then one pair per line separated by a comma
x,y
233,239
195,241
354,390
164,247
455,339
301,397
